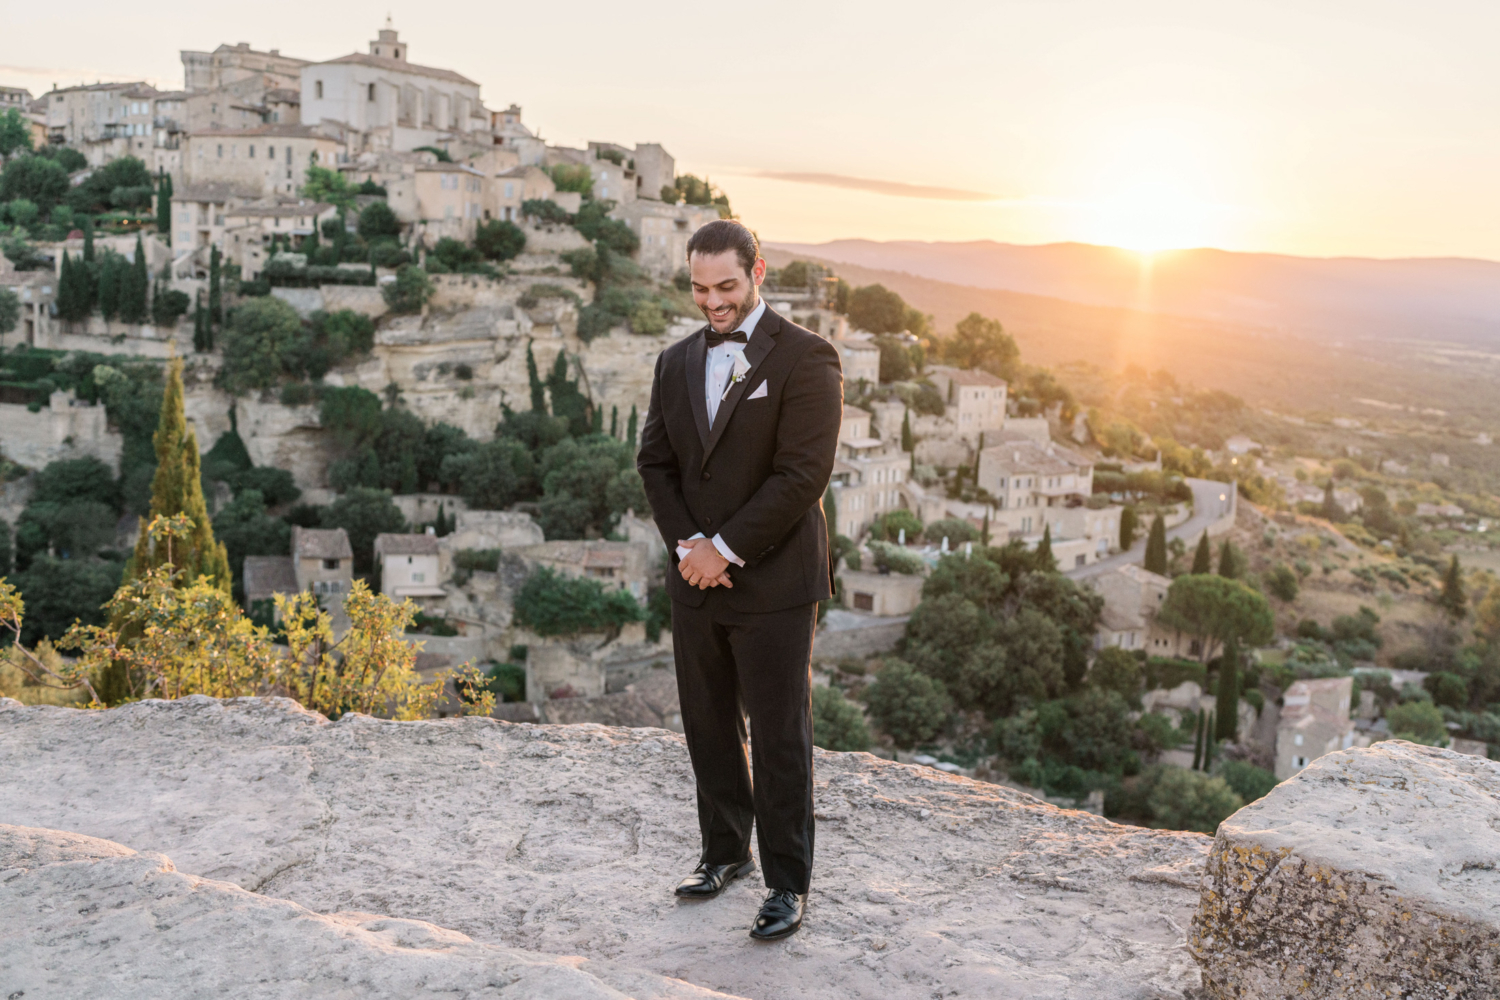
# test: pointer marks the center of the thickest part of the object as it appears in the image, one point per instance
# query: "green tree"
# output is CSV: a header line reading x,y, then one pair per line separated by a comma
x,y
538,391
377,220
88,239
1331,510
111,269
73,288
500,239
908,442
1229,561
10,310
1190,800
1127,528
261,344
329,186
550,604
203,337
177,489
493,475
1045,561
889,526
410,291
1115,669
215,288
981,343
164,207
1156,547
1419,722
1213,609
1454,599
838,723
567,401
1227,698
895,359
59,592
76,479
1203,558
1248,781
1282,582
135,286
36,179
246,529
877,309
630,427
1090,730
586,484
363,513
15,133
907,705
573,177
955,529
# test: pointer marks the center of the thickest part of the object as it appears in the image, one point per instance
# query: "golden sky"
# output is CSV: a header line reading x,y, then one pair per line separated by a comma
x,y
1310,127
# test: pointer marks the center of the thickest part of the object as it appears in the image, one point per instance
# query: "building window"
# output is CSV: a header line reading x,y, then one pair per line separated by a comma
x,y
371,92
221,151
864,602
270,152
1297,739
318,89
419,578
330,564
252,152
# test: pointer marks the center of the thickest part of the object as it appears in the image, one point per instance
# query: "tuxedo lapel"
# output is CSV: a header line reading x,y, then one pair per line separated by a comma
x,y
697,355
762,342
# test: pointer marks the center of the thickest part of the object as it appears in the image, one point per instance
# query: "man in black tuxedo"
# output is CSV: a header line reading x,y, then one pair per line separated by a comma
x,y
736,452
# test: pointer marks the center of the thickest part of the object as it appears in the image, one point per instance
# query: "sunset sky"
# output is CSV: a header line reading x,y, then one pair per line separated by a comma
x,y
1310,127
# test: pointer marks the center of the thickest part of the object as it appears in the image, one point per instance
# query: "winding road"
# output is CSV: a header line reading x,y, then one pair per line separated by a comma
x,y
1211,501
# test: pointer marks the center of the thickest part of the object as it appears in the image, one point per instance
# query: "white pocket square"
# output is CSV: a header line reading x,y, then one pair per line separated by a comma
x,y
759,393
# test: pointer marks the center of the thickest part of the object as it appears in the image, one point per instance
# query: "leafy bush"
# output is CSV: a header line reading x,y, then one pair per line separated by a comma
x,y
1282,582
838,723
493,475
545,210
261,343
508,681
378,220
895,559
551,604
594,223
955,529
468,561
167,305
59,592
533,296
1115,669
573,177
499,239
1248,781
409,292
1419,722
1180,799
908,705
888,527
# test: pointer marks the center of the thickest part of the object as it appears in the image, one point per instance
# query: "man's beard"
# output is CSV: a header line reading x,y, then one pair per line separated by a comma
x,y
745,308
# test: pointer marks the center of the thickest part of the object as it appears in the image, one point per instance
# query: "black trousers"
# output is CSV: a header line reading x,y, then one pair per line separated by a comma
x,y
730,663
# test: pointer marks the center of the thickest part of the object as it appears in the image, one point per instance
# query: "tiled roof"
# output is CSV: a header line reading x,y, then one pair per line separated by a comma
x,y
399,66
279,130
212,191
267,575
390,544
963,376
321,543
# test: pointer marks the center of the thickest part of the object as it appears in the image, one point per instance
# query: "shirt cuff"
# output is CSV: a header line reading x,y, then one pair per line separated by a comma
x,y
682,552
726,551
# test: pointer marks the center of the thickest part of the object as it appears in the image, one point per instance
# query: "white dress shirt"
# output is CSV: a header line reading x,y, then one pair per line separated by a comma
x,y
716,370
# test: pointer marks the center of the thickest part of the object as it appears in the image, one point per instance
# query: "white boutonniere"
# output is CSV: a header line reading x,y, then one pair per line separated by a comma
x,y
741,369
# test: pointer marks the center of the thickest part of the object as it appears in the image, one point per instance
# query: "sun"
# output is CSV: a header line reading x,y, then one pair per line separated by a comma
x,y
1152,216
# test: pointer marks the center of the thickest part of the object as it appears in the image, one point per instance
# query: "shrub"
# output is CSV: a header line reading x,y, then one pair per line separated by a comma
x,y
895,559
167,305
378,220
888,527
550,604
838,723
533,296
1282,583
908,705
545,210
468,561
1180,799
1419,722
264,339
1117,670
1248,781
508,681
955,529
409,292
499,239
388,253
573,177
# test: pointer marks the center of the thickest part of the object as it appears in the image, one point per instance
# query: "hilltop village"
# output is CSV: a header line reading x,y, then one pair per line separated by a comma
x,y
416,346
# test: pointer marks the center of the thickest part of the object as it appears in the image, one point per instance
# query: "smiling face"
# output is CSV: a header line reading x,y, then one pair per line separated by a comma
x,y
723,290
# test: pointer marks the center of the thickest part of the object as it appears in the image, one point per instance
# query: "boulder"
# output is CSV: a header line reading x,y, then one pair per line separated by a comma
x,y
491,848
1371,873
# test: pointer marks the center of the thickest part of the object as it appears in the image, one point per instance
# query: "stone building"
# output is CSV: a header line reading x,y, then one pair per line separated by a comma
x,y
860,358
1314,721
228,65
1132,597
408,565
260,160
881,593
623,566
385,101
322,560
450,200
975,400
868,475
664,231
249,228
265,577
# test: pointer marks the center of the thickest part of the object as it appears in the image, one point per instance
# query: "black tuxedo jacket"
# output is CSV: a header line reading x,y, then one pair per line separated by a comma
x,y
757,476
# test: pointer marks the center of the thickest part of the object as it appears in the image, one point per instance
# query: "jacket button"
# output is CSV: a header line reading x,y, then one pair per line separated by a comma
x,y
708,520
707,477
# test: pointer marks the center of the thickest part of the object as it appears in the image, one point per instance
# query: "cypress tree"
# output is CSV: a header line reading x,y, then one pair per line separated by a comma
x,y
1043,560
1453,598
598,425
630,426
1331,509
72,290
984,530
1127,528
88,239
1229,563
831,511
109,285
200,325
907,442
215,293
1156,547
177,488
164,207
134,284
1203,558
1228,697
538,396
614,421
1198,741
1210,744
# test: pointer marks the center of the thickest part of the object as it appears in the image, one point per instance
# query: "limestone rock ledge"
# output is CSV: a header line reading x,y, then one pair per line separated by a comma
x,y
529,842
1372,873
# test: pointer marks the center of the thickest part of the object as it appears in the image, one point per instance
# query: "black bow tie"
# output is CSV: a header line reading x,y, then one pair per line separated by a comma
x,y
715,338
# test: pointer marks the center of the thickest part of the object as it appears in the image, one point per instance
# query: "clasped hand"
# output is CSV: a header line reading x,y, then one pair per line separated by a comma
x,y
703,566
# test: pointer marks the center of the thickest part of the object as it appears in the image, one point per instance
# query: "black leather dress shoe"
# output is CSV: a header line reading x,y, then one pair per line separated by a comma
x,y
780,915
707,881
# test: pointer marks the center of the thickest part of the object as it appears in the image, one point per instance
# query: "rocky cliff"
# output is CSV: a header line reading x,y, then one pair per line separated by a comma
x,y
490,850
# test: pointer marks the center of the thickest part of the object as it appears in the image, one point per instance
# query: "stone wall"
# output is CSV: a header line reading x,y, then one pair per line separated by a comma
x,y
65,428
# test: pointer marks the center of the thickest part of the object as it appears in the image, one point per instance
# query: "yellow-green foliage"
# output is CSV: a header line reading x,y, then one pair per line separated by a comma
x,y
18,683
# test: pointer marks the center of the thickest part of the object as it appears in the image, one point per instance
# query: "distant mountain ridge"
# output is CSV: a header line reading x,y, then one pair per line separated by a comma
x,y
1454,299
